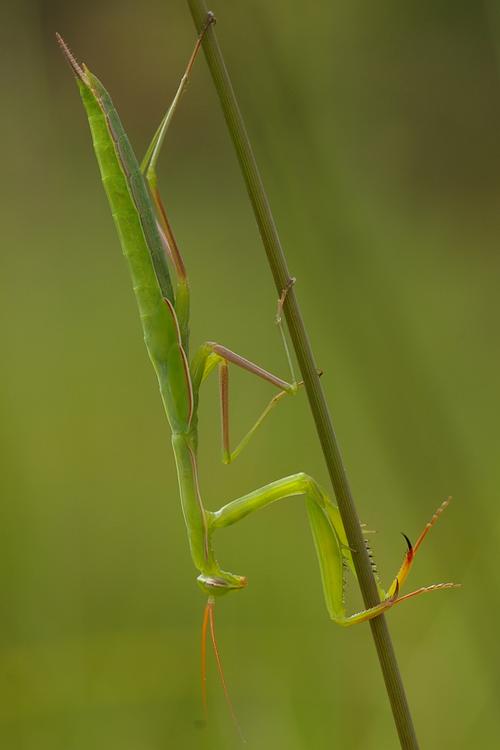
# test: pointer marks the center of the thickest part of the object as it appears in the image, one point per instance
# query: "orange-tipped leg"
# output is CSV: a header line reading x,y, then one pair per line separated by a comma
x,y
391,601
410,556
427,589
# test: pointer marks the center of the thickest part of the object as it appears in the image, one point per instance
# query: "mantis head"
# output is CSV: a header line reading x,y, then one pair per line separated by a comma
x,y
220,582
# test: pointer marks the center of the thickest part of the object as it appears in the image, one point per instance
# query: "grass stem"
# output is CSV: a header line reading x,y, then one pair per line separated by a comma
x,y
305,358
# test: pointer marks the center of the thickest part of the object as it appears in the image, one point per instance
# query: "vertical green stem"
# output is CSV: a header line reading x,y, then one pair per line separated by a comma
x,y
319,407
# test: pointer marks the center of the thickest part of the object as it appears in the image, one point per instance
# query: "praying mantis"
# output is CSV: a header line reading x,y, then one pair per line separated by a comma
x,y
151,251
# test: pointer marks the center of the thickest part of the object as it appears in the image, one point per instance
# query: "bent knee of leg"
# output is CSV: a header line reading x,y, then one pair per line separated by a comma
x,y
307,483
303,479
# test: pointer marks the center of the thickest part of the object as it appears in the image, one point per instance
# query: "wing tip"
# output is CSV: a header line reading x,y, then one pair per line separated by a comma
x,y
70,58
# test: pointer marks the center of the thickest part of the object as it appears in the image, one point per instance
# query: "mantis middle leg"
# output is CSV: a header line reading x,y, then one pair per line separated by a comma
x,y
213,355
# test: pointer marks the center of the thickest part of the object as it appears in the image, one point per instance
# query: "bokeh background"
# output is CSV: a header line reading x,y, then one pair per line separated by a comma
x,y
377,130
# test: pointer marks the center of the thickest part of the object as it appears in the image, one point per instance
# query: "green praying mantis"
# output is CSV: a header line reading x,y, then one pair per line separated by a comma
x,y
150,248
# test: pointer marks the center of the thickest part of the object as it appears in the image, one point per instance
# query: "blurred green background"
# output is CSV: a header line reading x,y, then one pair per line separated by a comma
x,y
377,129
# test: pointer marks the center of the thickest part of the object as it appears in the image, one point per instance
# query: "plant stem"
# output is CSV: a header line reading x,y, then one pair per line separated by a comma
x,y
305,358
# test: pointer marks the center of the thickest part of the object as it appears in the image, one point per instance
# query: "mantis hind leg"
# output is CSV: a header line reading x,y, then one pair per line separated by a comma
x,y
148,169
333,552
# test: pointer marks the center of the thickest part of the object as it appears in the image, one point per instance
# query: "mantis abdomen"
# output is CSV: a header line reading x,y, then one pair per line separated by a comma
x,y
157,323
